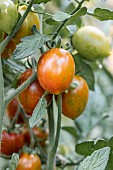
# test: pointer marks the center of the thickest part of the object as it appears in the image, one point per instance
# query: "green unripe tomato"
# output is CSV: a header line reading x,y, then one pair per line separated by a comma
x,y
8,16
91,43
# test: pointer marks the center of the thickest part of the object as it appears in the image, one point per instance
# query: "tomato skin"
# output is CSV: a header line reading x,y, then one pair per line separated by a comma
x,y
75,101
8,16
32,94
29,162
55,70
91,43
11,142
12,109
41,134
30,20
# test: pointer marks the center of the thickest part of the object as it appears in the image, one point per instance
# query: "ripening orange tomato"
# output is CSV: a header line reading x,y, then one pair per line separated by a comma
x,y
29,162
75,101
55,70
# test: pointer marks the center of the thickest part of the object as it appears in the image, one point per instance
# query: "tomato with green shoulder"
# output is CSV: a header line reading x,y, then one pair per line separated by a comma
x,y
91,43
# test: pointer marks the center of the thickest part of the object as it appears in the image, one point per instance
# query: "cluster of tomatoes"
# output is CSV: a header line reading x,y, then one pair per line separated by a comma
x,y
55,74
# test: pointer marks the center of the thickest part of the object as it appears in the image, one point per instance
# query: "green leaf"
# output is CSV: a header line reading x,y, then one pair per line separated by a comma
x,y
14,161
85,148
41,1
100,144
81,12
61,16
85,71
102,14
50,21
97,161
30,45
39,111
70,130
38,9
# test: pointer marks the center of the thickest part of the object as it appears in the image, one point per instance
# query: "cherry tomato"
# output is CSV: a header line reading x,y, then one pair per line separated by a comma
x,y
41,134
9,49
32,94
11,142
8,16
75,101
30,20
29,162
55,70
12,109
91,43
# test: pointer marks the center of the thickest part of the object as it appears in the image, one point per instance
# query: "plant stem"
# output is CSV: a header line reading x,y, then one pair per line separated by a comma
x,y
2,107
51,126
14,119
52,152
20,88
9,37
26,120
63,23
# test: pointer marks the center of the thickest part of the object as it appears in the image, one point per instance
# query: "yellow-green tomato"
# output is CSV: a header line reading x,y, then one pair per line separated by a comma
x,y
8,16
91,43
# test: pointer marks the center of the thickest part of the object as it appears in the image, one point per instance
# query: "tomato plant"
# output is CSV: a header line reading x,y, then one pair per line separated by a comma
x,y
12,110
55,66
55,70
75,100
25,30
11,142
29,162
91,43
8,16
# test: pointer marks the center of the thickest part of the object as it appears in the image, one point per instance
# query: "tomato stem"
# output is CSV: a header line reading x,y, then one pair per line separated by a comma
x,y
52,151
51,126
14,120
20,88
2,105
63,23
26,120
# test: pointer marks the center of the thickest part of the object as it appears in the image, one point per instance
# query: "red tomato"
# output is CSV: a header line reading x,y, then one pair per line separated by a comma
x,y
12,109
74,102
55,70
42,135
32,94
11,142
29,162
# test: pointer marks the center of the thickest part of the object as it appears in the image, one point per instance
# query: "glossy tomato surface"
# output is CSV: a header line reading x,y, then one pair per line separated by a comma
x,y
11,142
30,20
75,101
91,43
12,110
55,70
32,94
29,162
